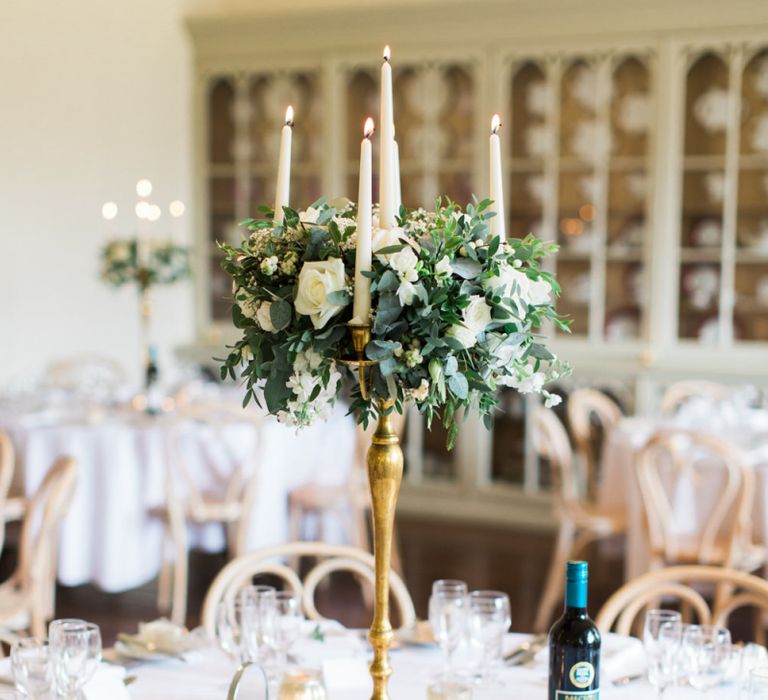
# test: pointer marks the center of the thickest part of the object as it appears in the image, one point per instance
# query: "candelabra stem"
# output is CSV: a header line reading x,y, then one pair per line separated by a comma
x,y
385,472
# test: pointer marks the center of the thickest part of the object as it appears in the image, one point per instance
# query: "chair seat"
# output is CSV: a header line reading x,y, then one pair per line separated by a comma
x,y
747,558
601,520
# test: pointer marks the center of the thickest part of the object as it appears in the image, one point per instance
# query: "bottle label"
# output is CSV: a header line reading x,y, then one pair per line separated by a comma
x,y
577,694
582,674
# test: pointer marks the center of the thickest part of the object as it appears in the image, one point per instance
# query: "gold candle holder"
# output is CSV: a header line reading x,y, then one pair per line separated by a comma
x,y
385,472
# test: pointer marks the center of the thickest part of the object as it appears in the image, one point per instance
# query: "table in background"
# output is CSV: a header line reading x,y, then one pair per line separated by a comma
x,y
109,536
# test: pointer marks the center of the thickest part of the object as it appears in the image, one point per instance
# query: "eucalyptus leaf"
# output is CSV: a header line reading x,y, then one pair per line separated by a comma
x,y
339,297
458,384
280,314
468,269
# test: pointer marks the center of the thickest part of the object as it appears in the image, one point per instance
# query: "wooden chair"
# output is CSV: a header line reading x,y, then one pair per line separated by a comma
x,y
717,471
351,502
680,392
623,608
239,572
580,522
584,406
27,597
11,507
187,504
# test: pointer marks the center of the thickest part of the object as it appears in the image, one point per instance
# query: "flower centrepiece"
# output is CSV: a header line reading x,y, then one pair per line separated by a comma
x,y
130,260
456,312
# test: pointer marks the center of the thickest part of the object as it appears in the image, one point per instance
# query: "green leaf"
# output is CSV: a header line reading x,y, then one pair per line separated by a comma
x,y
388,250
388,282
458,384
339,297
380,349
451,366
540,352
468,269
280,314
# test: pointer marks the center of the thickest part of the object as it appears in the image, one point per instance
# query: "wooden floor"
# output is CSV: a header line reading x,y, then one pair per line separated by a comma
x,y
486,557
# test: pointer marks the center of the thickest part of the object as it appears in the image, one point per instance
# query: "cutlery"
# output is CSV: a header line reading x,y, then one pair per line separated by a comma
x,y
128,680
528,647
626,680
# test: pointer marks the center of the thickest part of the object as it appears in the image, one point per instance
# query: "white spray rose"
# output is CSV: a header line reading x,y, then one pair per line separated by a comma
x,y
316,281
443,267
404,263
263,317
384,238
421,392
406,293
476,317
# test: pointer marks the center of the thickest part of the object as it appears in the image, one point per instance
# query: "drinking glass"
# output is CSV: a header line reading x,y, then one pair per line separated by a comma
x,y
489,619
662,635
285,627
752,656
30,662
75,650
259,608
758,683
709,655
447,616
229,624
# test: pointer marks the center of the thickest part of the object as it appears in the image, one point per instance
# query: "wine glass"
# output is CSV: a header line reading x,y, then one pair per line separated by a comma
x,y
758,683
75,649
753,656
709,655
447,616
662,649
489,618
229,635
30,662
285,628
259,608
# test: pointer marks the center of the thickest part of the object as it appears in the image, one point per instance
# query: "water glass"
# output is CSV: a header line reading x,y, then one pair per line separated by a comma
x,y
488,615
32,673
449,690
229,624
709,654
75,650
285,627
662,637
259,608
447,616
758,683
753,656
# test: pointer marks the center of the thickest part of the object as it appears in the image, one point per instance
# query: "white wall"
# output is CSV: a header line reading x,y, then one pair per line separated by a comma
x,y
93,96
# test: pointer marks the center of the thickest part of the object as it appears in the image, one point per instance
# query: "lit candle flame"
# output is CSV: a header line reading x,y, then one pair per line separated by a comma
x,y
368,128
387,53
495,124
289,116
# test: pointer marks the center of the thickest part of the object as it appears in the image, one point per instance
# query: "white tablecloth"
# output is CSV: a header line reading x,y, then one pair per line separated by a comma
x,y
619,487
205,675
109,537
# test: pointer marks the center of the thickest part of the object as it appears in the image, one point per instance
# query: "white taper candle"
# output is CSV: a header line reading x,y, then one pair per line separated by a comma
x,y
497,223
361,309
283,189
386,150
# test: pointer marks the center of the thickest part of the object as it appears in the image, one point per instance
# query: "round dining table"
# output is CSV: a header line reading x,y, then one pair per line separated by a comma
x,y
112,535
620,490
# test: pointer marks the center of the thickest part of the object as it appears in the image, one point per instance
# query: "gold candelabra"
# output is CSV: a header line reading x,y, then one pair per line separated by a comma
x,y
385,472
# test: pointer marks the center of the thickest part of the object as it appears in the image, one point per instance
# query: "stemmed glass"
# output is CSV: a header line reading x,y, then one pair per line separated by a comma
x,y
285,627
259,608
662,635
489,619
30,661
229,626
709,654
447,616
75,650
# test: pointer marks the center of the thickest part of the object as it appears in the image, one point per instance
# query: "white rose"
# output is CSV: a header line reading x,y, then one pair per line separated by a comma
x,y
309,216
384,238
404,263
406,293
477,315
465,336
507,279
443,267
421,392
316,281
263,317
539,292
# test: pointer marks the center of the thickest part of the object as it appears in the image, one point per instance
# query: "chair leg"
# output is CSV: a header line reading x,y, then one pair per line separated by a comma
x,y
554,585
164,584
180,583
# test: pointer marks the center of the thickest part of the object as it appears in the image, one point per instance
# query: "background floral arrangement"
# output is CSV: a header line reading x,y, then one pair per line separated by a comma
x,y
165,262
455,313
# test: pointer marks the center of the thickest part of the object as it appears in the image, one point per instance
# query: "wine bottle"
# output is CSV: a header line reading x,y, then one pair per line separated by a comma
x,y
574,643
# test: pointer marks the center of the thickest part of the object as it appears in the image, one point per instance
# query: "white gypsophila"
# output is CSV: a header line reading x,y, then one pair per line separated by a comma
x,y
316,281
421,392
288,263
248,305
344,222
309,216
350,242
551,400
404,264
263,317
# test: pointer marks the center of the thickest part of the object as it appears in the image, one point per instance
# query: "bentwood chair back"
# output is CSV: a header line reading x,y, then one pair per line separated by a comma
x,y
718,487
680,392
11,508
332,558
623,609
579,522
27,597
188,503
585,406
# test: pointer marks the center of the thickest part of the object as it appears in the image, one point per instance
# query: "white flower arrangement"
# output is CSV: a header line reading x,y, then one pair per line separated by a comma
x,y
163,262
456,313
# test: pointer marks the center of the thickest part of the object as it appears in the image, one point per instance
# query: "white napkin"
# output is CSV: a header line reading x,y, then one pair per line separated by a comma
x,y
346,674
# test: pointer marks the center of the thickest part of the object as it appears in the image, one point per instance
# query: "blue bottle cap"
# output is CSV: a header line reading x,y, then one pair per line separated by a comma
x,y
576,571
